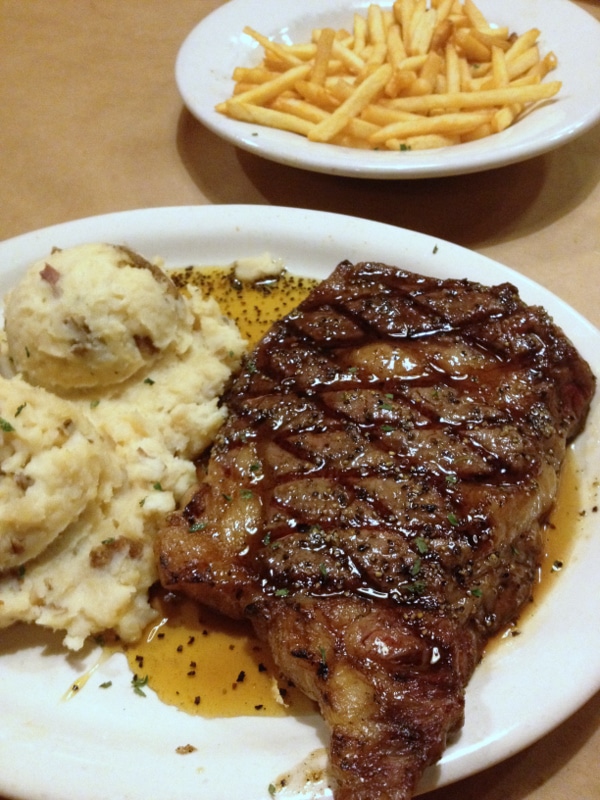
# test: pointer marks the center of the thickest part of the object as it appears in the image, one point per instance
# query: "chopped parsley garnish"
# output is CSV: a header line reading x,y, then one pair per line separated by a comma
x,y
422,544
6,426
452,518
138,684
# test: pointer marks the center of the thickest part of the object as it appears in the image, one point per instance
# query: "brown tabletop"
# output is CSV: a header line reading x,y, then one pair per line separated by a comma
x,y
91,122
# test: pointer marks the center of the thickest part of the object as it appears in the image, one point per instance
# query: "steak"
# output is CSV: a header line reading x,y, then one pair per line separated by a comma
x,y
375,502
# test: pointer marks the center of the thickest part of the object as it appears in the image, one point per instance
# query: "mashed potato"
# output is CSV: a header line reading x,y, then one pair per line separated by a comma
x,y
104,312
129,441
52,460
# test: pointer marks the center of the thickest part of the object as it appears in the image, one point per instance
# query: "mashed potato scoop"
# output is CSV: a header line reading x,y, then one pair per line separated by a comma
x,y
52,458
90,315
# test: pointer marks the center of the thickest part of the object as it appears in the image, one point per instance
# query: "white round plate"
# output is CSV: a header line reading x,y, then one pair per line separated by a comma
x,y
208,56
107,743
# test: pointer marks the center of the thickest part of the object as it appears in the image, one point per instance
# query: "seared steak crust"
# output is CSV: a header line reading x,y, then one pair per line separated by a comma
x,y
375,501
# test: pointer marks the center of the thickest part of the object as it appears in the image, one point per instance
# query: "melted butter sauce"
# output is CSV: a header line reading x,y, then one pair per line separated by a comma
x,y
254,306
558,533
194,658
558,540
211,666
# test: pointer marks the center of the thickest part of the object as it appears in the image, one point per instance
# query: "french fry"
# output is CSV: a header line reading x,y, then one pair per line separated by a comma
x,y
413,62
505,116
375,24
317,95
443,8
522,63
352,60
400,82
499,69
545,65
377,34
395,46
432,68
341,89
471,47
253,75
419,74
441,35
448,124
522,43
423,32
278,50
322,56
381,116
453,83
352,106
427,142
481,132
357,128
299,108
270,89
485,98
360,33
248,112
475,16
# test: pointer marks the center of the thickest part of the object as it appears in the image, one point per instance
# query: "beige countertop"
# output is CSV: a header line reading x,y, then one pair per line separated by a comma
x,y
91,122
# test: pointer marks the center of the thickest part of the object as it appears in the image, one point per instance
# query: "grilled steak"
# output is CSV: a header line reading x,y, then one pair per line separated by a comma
x,y
375,502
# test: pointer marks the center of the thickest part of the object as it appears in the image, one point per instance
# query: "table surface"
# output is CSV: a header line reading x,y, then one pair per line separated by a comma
x,y
91,122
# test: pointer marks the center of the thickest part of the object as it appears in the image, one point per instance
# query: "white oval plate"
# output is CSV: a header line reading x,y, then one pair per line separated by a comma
x,y
107,743
211,51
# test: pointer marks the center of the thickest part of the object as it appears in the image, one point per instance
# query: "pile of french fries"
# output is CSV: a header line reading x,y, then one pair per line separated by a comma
x,y
413,76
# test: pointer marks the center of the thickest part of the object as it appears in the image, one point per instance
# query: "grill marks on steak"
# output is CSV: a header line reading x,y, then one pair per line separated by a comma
x,y
375,501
